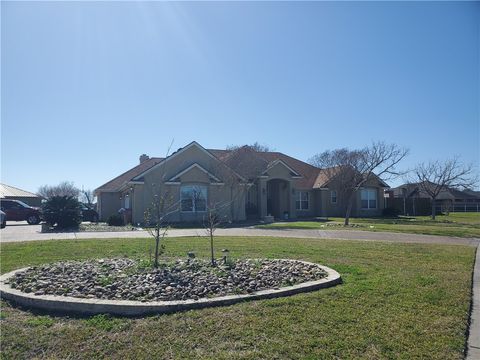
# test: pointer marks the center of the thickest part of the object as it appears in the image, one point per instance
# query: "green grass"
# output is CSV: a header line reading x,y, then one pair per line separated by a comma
x,y
397,301
456,224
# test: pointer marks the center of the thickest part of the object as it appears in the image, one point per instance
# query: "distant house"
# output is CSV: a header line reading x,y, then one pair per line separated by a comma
x,y
13,193
410,199
241,183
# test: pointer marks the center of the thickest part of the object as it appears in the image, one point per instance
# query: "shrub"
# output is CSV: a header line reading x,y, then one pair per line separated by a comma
x,y
63,212
115,220
390,212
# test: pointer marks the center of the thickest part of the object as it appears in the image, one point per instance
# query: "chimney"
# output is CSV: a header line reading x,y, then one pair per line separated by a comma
x,y
143,158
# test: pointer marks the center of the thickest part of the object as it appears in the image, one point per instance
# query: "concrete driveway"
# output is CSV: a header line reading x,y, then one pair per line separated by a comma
x,y
21,231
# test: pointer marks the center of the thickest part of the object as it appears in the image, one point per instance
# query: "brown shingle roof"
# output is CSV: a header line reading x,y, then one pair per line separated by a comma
x,y
324,176
415,190
244,161
308,172
116,183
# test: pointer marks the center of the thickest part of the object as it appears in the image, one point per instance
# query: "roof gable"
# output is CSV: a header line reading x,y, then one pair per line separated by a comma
x,y
281,163
177,176
180,151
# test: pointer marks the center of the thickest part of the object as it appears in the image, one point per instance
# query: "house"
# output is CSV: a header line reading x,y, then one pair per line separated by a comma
x,y
411,199
241,184
13,193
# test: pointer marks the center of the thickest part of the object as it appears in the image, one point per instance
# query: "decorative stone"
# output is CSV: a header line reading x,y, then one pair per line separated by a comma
x,y
187,280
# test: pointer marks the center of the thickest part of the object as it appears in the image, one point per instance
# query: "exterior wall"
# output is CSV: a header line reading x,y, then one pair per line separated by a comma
x,y
338,210
312,205
138,205
181,161
370,212
262,197
230,198
334,209
286,197
278,198
279,171
251,202
108,203
318,206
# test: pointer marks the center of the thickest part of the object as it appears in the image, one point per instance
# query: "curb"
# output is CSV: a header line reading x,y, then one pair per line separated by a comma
x,y
64,304
473,349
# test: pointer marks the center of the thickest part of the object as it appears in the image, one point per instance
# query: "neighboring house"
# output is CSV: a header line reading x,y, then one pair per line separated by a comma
x,y
242,184
13,193
411,199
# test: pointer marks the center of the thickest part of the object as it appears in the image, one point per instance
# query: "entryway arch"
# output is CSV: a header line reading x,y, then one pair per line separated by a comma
x,y
278,198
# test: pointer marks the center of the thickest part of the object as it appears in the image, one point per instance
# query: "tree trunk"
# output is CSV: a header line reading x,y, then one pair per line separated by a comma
x,y
157,243
211,248
433,209
349,209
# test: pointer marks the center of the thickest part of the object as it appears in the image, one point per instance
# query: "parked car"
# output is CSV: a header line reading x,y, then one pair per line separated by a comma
x,y
3,219
16,210
89,214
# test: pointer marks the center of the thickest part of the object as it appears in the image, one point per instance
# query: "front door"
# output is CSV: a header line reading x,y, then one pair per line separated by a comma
x,y
278,198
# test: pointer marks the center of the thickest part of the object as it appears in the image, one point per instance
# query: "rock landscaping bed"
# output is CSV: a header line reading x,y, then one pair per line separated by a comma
x,y
89,227
127,279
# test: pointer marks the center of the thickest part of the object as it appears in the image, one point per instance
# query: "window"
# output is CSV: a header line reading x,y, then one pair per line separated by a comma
x,y
193,198
368,198
333,196
301,201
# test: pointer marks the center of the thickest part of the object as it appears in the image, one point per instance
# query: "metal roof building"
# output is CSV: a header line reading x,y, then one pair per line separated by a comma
x,y
13,193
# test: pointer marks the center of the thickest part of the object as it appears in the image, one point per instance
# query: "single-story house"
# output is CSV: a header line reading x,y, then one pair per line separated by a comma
x,y
13,193
411,199
240,184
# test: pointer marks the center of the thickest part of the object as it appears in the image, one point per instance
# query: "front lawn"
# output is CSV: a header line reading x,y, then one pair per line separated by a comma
x,y
456,224
397,301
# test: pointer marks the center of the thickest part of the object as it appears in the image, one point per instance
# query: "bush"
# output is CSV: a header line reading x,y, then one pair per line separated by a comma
x,y
115,220
391,212
63,212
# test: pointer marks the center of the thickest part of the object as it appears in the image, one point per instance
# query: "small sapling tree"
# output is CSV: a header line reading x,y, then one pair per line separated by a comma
x,y
211,221
156,222
156,215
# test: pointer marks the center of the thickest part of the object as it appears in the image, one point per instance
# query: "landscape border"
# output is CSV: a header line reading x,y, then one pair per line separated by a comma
x,y
82,306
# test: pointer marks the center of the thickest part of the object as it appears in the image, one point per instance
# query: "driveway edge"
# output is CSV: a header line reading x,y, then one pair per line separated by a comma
x,y
473,348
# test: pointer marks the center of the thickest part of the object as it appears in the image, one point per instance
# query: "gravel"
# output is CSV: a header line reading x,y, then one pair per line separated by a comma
x,y
127,279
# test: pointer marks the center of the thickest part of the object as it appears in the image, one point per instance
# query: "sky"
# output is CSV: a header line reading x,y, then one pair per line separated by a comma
x,y
87,87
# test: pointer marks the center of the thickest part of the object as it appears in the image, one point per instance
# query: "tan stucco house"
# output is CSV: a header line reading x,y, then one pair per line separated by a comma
x,y
240,184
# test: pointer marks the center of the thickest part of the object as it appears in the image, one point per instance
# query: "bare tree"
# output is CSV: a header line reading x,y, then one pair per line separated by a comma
x,y
238,185
65,188
156,222
436,176
352,169
87,196
256,146
212,220
156,216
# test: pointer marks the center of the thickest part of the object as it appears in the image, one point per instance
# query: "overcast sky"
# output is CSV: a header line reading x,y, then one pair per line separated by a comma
x,y
86,87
